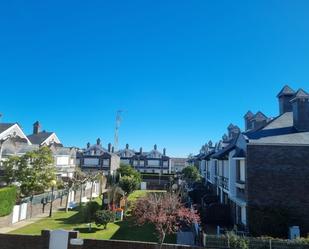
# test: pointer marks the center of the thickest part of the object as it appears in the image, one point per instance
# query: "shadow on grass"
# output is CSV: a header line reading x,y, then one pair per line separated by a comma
x,y
74,219
86,229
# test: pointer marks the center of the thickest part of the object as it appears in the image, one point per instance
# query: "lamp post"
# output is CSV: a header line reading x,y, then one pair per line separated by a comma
x,y
53,184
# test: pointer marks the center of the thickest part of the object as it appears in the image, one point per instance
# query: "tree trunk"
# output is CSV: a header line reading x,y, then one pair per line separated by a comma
x,y
67,201
92,182
81,194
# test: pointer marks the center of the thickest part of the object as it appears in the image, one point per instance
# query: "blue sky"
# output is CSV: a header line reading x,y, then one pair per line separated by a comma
x,y
181,70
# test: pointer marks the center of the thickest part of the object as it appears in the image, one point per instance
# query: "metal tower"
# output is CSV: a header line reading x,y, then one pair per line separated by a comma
x,y
118,121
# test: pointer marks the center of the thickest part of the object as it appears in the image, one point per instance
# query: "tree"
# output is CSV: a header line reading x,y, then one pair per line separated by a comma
x,y
70,184
33,171
103,217
191,174
165,211
128,170
129,184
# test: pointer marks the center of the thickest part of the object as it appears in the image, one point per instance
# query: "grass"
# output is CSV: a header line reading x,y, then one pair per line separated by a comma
x,y
120,230
142,193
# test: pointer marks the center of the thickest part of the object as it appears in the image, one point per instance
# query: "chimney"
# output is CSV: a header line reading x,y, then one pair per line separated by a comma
x,y
109,147
210,143
225,138
36,127
127,146
155,147
259,120
230,128
164,152
88,145
300,104
248,120
98,141
141,150
285,96
113,149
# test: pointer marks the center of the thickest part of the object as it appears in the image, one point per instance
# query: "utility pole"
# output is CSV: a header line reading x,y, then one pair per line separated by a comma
x,y
118,121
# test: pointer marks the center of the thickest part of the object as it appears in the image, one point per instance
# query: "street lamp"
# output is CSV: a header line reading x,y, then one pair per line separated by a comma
x,y
53,184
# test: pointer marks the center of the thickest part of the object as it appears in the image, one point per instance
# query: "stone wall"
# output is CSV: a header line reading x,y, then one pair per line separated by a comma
x,y
24,241
9,241
277,187
116,244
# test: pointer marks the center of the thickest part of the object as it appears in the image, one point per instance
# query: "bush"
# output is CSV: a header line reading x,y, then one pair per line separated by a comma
x,y
88,211
237,242
7,200
103,217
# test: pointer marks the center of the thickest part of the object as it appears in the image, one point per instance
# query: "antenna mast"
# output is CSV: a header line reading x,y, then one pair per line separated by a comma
x,y
118,121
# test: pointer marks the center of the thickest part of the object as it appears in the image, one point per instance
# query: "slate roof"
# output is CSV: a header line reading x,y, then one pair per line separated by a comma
x,y
221,154
5,126
300,94
286,90
249,114
279,131
208,155
240,153
40,137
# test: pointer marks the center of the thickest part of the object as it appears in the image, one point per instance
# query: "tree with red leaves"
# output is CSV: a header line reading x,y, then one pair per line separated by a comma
x,y
165,211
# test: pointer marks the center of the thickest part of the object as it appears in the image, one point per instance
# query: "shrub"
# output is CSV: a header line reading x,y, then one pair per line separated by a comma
x,y
237,242
88,211
103,217
7,200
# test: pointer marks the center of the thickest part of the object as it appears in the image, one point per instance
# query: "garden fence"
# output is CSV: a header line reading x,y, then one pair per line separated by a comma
x,y
226,242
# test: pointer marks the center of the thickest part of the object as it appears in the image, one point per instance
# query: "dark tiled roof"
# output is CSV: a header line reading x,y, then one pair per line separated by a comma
x,y
249,114
286,90
279,131
221,154
300,94
5,126
208,155
39,138
240,153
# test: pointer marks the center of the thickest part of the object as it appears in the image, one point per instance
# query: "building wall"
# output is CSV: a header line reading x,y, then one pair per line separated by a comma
x,y
277,179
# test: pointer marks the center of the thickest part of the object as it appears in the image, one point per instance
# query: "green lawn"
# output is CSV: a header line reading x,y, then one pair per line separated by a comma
x,y
121,230
142,193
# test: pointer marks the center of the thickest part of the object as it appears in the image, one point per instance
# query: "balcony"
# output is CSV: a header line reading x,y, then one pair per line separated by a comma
x,y
208,175
240,184
224,182
240,193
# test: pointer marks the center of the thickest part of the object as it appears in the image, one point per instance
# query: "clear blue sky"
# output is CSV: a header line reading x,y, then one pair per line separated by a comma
x,y
181,70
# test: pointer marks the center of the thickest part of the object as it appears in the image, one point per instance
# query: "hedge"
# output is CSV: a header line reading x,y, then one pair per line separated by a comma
x,y
7,200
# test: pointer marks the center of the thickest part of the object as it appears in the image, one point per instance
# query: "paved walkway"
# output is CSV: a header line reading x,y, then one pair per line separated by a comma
x,y
22,223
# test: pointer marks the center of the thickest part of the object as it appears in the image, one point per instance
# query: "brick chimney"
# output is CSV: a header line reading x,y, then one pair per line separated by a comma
x,y
248,120
109,147
164,152
127,146
141,150
285,96
98,141
155,147
259,120
88,145
36,127
300,104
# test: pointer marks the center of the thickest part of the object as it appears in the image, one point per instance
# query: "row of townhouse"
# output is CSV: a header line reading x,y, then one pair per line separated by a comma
x,y
146,162
262,173
13,141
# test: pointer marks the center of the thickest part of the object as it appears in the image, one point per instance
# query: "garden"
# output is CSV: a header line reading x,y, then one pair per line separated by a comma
x,y
127,229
